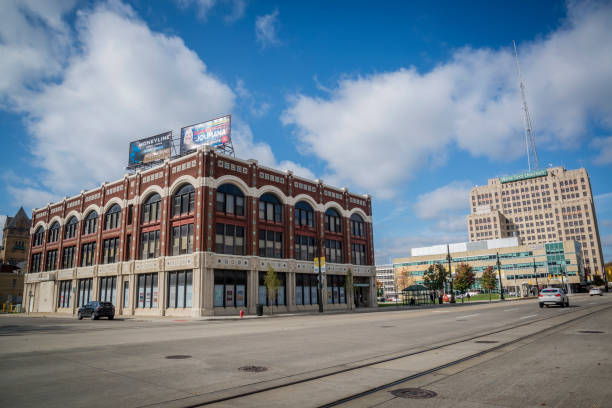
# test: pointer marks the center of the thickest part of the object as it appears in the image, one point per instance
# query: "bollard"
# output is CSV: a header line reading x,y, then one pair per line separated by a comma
x,y
241,313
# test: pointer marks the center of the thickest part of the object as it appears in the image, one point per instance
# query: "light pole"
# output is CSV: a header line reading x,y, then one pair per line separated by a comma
x,y
567,284
501,286
536,277
320,295
449,259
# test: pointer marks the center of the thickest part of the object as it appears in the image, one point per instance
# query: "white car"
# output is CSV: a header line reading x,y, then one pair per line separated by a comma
x,y
595,291
553,296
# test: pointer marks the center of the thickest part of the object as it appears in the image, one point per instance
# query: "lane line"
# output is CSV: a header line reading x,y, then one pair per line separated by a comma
x,y
471,315
508,310
527,317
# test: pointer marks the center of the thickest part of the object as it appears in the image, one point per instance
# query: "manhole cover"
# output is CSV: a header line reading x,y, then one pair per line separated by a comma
x,y
590,331
252,369
415,393
178,357
486,341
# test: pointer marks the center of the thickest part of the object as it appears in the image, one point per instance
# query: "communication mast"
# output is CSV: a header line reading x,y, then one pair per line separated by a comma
x,y
532,154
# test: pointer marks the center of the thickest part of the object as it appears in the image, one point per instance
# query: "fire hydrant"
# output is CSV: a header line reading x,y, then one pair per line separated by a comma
x,y
241,313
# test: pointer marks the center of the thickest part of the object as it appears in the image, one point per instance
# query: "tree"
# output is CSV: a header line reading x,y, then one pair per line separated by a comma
x,y
435,277
403,279
272,285
597,280
464,278
379,288
488,280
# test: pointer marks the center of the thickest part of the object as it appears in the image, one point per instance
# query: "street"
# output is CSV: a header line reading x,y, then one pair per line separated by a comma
x,y
181,362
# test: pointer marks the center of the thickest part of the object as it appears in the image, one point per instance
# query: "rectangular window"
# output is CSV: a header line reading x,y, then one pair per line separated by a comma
x,y
304,248
149,245
126,294
147,290
335,289
88,254
35,263
333,251
51,262
229,239
110,252
108,289
182,239
179,289
128,248
230,288
68,254
358,253
84,291
279,299
270,244
65,290
306,289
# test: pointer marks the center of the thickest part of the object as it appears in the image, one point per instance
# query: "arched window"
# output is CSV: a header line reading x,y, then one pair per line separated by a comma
x,y
357,226
151,208
230,200
53,232
183,200
333,221
39,236
112,217
90,223
304,215
71,228
270,208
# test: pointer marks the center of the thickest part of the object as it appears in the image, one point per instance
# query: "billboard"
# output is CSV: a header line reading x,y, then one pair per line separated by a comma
x,y
214,133
151,149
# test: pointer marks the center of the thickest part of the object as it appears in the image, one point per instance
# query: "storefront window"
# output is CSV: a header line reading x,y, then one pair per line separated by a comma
x,y
306,289
179,289
65,289
263,292
108,289
230,288
84,291
147,290
335,289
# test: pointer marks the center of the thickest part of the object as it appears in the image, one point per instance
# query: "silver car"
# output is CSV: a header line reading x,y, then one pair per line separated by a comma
x,y
553,296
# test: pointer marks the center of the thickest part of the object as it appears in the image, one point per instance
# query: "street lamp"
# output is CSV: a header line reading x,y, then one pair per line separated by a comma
x,y
501,286
449,259
320,294
536,276
567,284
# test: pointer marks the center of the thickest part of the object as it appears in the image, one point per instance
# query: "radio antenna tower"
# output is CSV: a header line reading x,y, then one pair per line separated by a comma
x,y
532,154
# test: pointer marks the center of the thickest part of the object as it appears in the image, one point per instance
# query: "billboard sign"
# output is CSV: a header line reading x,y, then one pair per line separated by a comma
x,y
214,133
523,176
151,149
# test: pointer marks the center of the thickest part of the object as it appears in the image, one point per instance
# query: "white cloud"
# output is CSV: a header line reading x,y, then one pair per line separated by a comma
x,y
245,147
375,132
451,198
204,8
604,146
121,82
390,247
256,107
266,28
2,222
31,197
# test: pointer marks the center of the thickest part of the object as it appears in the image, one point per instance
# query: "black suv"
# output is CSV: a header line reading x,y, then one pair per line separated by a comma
x,y
95,310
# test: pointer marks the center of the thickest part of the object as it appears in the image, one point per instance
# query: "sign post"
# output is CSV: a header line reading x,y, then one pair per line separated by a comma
x,y
319,267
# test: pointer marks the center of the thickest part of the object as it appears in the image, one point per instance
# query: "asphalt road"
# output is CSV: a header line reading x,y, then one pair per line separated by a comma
x,y
64,362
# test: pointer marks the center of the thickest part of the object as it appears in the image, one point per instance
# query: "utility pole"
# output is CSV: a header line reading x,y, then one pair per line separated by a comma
x,y
501,286
449,259
536,276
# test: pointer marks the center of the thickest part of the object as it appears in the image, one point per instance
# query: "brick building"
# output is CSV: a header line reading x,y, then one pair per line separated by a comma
x,y
195,236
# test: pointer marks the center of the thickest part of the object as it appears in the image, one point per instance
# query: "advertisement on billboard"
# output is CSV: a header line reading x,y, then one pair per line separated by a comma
x,y
151,149
214,133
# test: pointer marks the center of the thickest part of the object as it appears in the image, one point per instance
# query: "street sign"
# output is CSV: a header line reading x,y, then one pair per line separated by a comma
x,y
316,265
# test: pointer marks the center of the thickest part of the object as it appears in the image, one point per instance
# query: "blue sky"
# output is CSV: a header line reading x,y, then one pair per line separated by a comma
x,y
411,102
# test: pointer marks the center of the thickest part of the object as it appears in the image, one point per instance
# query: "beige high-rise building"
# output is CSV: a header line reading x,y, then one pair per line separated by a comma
x,y
539,206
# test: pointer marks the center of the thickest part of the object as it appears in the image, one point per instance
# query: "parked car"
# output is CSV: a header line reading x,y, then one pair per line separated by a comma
x,y
595,291
95,310
553,296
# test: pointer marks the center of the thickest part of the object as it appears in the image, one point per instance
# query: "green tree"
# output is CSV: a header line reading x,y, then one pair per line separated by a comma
x,y
488,280
464,278
272,285
379,288
435,277
597,280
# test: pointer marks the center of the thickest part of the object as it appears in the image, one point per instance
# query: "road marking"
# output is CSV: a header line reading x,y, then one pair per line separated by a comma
x,y
463,317
592,303
507,310
527,317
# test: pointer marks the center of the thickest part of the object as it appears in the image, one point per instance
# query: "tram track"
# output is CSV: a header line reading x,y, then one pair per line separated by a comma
x,y
236,394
